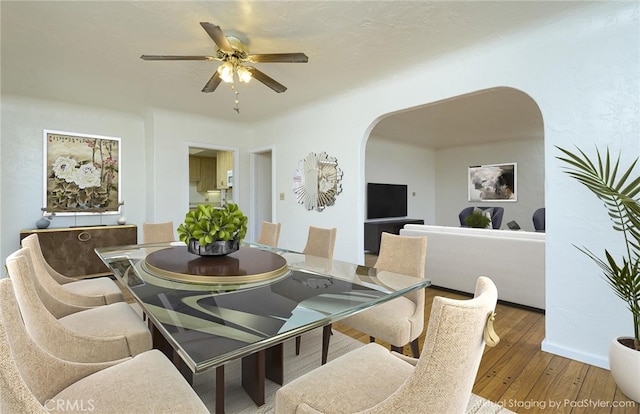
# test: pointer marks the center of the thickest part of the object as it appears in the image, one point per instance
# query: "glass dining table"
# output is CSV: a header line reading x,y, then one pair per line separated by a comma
x,y
205,311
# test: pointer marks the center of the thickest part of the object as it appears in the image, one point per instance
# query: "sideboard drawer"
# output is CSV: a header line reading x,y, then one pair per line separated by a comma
x,y
71,252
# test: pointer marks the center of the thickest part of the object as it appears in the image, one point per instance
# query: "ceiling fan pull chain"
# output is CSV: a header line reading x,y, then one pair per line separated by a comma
x,y
237,102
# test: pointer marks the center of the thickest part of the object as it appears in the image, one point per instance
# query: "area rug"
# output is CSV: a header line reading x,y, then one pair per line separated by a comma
x,y
238,402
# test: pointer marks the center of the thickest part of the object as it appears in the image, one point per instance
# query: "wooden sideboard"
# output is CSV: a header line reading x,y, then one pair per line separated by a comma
x,y
70,250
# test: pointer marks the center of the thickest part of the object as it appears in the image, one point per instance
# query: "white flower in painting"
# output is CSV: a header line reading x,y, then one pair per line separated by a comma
x,y
65,168
87,176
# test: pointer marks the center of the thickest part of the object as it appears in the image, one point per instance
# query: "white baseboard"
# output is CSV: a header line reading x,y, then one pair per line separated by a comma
x,y
562,351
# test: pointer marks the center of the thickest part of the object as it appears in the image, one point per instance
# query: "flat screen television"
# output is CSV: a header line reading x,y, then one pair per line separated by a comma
x,y
386,200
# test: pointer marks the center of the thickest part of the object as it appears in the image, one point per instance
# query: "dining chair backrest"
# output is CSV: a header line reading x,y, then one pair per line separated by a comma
x,y
402,254
33,243
443,378
55,299
406,255
269,234
320,242
59,301
158,232
79,294
25,365
15,394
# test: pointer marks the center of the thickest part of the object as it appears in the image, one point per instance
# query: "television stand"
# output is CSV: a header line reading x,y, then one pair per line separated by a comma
x,y
373,231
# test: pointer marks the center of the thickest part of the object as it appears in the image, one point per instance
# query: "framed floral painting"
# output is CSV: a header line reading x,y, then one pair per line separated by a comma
x,y
81,173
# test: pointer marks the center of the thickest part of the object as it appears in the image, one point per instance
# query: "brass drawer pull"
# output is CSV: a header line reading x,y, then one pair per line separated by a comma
x,y
84,236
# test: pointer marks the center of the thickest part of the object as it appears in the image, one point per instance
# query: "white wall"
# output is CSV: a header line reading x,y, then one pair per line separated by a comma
x,y
335,128
173,134
451,180
593,99
23,123
154,164
389,162
582,71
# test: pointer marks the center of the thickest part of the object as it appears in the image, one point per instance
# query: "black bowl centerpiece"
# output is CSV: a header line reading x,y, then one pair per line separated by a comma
x,y
213,231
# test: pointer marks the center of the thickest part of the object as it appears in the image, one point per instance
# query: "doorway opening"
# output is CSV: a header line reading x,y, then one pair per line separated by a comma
x,y
262,189
211,176
431,147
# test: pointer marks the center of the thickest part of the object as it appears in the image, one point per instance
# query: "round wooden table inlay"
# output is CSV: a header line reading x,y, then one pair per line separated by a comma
x,y
246,265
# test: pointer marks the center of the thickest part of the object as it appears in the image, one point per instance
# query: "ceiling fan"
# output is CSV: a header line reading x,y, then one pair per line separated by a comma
x,y
237,61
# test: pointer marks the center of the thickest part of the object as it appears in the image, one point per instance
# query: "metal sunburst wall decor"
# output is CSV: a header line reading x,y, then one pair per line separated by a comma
x,y
317,181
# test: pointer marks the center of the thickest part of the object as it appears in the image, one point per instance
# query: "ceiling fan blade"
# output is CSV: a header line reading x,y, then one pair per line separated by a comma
x,y
166,57
213,83
260,76
279,57
216,33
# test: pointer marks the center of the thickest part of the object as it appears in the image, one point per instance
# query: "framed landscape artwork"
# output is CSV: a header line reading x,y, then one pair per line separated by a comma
x,y
496,182
81,173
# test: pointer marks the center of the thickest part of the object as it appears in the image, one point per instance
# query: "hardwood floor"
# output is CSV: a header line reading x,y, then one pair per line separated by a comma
x,y
523,378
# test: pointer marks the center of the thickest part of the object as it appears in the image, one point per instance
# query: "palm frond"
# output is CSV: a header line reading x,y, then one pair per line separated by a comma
x,y
619,194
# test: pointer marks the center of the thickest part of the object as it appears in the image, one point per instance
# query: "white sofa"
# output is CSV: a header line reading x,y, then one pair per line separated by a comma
x,y
514,260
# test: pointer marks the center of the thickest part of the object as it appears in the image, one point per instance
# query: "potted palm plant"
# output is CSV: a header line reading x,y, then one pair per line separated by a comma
x,y
212,231
619,190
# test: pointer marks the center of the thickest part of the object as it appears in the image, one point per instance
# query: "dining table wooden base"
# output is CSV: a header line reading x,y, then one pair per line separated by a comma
x,y
265,364
256,368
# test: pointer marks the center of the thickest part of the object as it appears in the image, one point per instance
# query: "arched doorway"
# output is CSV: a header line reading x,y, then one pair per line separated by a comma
x,y
431,147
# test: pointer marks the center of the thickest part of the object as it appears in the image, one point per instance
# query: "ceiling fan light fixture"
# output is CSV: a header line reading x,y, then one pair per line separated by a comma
x,y
244,74
226,72
234,53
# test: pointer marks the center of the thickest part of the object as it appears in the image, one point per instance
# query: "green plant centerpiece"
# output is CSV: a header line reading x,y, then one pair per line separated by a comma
x,y
619,190
213,231
477,219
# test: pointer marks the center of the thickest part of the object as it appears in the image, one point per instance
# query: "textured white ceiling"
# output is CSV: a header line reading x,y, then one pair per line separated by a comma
x,y
88,52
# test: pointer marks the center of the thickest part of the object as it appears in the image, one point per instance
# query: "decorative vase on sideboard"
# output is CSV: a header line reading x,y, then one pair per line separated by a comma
x,y
43,223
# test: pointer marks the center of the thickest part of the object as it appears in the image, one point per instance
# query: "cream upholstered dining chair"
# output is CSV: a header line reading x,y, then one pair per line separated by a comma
x,y
103,333
320,242
158,232
399,321
56,300
372,379
34,381
83,292
269,234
